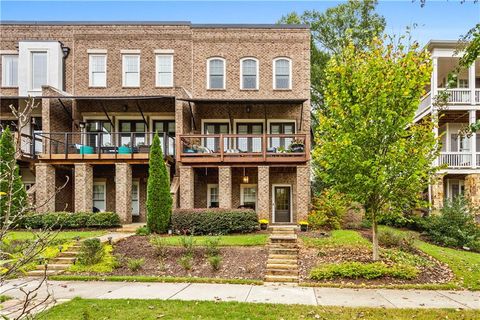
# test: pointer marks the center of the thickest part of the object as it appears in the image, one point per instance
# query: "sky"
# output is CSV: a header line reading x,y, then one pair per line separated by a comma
x,y
437,20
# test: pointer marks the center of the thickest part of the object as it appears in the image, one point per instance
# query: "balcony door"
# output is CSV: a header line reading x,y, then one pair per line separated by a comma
x,y
168,127
127,127
213,144
249,144
287,128
98,133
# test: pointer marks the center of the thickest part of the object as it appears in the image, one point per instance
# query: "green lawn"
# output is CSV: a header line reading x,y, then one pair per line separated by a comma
x,y
62,235
258,239
338,238
160,309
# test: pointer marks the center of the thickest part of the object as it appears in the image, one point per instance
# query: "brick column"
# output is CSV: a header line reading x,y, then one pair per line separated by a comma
x,y
123,192
83,187
45,187
303,192
187,177
225,187
472,188
263,193
437,193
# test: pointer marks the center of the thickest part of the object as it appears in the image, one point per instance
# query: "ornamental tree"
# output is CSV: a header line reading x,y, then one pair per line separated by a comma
x,y
367,146
159,200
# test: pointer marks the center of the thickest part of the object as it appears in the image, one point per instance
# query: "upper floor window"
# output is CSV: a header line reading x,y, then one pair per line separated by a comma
x,y
282,73
10,70
164,70
249,73
39,70
98,70
216,73
131,70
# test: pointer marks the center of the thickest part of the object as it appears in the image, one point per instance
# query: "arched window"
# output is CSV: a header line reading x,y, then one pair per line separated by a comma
x,y
216,73
249,73
282,73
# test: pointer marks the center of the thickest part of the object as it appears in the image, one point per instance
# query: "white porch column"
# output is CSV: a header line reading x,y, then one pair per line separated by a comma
x,y
471,82
472,118
434,80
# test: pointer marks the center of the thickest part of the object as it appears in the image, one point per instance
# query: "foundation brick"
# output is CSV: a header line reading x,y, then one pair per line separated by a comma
x,y
83,187
438,193
263,192
303,192
186,187
225,187
45,189
123,194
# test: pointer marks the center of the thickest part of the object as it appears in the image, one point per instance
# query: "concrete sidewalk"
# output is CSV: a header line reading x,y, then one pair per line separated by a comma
x,y
282,294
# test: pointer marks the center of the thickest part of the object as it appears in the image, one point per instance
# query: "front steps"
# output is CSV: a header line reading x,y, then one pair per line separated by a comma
x,y
59,264
282,263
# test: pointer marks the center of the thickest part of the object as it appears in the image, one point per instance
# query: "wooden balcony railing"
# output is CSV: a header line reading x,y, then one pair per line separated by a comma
x,y
205,148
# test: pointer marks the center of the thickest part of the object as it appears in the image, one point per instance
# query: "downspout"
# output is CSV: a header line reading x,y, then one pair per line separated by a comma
x,y
65,51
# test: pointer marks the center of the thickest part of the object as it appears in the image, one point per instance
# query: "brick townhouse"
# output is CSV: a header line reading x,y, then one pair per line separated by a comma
x,y
231,104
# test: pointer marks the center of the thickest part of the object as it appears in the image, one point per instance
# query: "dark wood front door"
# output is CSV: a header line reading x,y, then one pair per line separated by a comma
x,y
282,205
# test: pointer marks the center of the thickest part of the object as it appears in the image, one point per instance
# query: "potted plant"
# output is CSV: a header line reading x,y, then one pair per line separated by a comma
x,y
263,224
303,226
297,146
125,149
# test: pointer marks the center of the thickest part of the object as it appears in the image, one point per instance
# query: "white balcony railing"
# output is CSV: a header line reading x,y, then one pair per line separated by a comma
x,y
458,95
456,159
425,103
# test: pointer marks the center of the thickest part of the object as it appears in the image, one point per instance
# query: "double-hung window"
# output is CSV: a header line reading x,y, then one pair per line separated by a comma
x,y
99,194
98,70
248,195
131,70
39,70
216,73
212,195
249,74
282,73
10,70
164,70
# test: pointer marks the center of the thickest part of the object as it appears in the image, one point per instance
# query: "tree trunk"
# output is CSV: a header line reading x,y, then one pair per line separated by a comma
x,y
376,255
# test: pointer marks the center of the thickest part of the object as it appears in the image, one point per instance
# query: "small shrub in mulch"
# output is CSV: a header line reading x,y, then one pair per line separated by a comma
x,y
357,270
91,252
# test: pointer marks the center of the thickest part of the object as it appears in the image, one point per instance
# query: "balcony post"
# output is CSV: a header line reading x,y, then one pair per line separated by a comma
x,y
434,80
472,118
471,82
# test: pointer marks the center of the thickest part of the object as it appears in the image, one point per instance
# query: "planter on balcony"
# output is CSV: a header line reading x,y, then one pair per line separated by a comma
x,y
124,150
86,150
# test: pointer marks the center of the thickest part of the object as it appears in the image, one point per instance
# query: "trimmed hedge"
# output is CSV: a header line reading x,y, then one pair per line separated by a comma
x,y
214,221
357,270
69,220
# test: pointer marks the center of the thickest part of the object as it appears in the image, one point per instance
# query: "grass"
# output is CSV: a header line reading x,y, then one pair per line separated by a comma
x,y
338,238
226,240
62,235
160,309
152,279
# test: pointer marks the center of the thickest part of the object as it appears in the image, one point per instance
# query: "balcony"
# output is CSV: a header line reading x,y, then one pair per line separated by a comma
x,y
248,148
458,96
105,146
457,159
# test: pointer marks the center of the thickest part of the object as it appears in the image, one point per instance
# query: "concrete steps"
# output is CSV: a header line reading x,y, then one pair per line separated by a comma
x,y
59,264
282,262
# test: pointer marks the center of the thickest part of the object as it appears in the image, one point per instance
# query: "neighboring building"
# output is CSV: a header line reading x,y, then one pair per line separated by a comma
x,y
460,155
231,103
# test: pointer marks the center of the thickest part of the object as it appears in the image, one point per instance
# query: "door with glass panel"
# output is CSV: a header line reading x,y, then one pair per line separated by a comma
x,y
284,128
137,127
135,198
168,127
281,204
249,144
213,144
98,134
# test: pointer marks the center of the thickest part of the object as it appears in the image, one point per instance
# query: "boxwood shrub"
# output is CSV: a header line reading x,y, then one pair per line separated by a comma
x,y
214,221
69,220
357,270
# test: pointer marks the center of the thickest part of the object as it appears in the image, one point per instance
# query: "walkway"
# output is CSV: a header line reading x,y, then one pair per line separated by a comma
x,y
282,294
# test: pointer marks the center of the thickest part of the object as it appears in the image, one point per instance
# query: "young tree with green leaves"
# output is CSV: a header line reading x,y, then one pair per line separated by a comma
x,y
367,145
13,198
159,200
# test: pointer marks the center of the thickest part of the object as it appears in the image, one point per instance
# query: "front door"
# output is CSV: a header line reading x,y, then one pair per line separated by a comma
x,y
281,205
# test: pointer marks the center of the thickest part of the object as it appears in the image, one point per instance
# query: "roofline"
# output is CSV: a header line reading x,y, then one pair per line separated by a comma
x,y
160,23
68,97
249,100
449,44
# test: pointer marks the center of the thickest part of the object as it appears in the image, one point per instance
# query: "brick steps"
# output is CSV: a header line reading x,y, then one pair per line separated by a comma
x,y
282,262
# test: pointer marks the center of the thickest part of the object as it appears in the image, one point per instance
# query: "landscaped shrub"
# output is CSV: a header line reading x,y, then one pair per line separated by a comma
x,y
68,220
356,270
390,238
142,231
410,220
212,246
214,221
215,261
328,210
91,252
455,225
160,246
187,243
135,264
354,216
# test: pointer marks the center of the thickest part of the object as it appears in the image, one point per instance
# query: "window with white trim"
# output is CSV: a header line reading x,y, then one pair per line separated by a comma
x,y
212,196
10,70
99,194
97,70
135,198
164,70
131,70
216,73
249,73
282,72
39,69
248,195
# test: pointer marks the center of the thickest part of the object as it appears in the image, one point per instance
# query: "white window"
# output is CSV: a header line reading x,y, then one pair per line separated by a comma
x,y
135,198
463,83
212,196
249,73
10,71
455,188
216,73
282,73
98,70
131,70
99,193
248,195
39,70
164,70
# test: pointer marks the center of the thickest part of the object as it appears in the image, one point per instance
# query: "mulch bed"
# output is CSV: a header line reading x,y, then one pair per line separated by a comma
x,y
237,262
309,258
